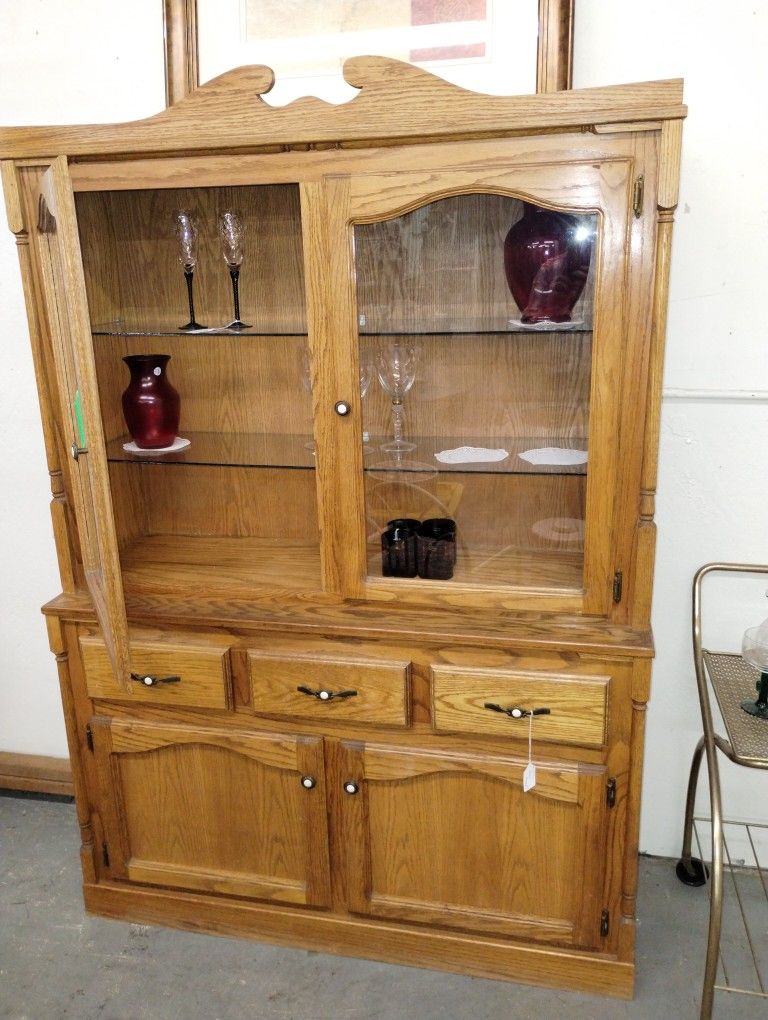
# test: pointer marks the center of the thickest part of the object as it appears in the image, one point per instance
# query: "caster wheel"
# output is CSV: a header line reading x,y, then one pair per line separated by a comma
x,y
696,873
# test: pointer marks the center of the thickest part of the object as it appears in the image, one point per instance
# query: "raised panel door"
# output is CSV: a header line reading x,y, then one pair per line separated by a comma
x,y
217,811
452,840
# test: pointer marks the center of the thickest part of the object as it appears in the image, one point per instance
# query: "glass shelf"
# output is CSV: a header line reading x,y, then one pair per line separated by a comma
x,y
226,449
516,330
422,459
213,331
291,451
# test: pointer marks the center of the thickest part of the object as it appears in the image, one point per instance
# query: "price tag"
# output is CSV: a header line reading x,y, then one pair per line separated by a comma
x,y
529,776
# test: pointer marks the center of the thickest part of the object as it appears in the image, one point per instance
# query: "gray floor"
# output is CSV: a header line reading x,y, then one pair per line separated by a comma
x,y
56,962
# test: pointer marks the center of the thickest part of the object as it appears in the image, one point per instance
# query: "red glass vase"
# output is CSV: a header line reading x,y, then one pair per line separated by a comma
x,y
150,404
546,262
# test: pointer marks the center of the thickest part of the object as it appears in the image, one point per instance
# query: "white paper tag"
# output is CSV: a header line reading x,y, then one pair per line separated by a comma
x,y
529,777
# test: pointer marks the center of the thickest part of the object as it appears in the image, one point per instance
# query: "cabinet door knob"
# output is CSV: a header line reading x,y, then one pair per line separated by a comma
x,y
342,408
350,787
151,681
308,782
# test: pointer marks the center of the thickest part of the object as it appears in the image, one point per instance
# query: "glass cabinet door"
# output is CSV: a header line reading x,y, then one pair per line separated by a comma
x,y
486,330
201,291
66,310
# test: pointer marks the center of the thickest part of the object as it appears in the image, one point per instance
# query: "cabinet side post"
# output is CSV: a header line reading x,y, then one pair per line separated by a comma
x,y
669,172
75,739
641,690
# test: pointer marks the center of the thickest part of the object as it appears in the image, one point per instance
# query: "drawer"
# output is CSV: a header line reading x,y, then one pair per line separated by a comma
x,y
202,668
381,687
578,704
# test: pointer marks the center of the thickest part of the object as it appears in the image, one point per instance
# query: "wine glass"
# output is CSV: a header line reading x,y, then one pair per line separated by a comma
x,y
396,369
185,230
232,233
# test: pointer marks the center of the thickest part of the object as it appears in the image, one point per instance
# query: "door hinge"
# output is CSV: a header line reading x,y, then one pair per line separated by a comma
x,y
105,854
89,736
618,584
637,195
610,793
605,923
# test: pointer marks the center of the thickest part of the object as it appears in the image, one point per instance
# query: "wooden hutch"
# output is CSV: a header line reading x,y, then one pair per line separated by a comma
x,y
247,797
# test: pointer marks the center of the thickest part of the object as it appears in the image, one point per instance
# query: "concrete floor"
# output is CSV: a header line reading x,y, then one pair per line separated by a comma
x,y
55,962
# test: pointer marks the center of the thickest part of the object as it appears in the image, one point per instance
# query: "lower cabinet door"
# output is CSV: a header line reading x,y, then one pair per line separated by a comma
x,y
453,840
214,810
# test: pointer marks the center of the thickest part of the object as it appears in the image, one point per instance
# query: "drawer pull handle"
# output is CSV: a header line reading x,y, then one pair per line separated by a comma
x,y
323,695
151,681
515,712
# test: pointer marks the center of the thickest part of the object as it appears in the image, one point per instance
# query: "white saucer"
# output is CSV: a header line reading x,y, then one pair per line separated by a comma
x,y
176,445
547,327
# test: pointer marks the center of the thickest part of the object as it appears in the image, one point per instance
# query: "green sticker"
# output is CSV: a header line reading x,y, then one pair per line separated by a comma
x,y
79,417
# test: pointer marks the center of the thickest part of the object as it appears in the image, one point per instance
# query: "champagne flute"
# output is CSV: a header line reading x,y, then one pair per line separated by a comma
x,y
232,233
396,369
185,230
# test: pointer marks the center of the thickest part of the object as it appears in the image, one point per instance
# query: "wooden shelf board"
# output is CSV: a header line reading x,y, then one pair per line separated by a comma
x,y
545,570
219,566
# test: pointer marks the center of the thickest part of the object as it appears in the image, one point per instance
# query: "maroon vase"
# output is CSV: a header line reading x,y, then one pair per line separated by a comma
x,y
150,404
546,261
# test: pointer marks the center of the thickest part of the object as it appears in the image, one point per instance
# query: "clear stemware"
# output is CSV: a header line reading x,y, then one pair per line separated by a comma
x,y
396,369
185,230
232,235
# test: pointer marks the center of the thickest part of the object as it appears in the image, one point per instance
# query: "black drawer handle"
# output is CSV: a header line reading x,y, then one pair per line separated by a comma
x,y
152,681
324,695
515,712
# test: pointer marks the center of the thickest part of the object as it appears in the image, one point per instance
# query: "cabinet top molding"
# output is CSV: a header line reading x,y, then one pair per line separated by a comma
x,y
396,102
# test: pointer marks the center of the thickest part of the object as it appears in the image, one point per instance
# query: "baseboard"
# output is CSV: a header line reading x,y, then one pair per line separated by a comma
x,y
34,773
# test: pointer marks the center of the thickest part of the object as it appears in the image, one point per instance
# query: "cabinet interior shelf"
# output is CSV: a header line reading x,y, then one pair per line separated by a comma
x,y
231,449
228,567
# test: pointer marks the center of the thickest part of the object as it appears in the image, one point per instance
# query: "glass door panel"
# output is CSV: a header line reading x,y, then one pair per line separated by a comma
x,y
233,510
475,317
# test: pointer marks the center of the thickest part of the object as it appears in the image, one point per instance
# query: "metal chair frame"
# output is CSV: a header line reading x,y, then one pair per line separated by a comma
x,y
690,869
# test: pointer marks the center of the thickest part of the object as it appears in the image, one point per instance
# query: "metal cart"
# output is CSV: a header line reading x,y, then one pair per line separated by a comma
x,y
733,681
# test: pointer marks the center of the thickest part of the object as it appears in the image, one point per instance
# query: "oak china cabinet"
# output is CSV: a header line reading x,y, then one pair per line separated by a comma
x,y
283,722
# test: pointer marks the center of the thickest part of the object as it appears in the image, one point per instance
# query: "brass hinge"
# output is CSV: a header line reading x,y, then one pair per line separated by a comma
x,y
605,923
105,854
637,195
610,793
618,584
89,736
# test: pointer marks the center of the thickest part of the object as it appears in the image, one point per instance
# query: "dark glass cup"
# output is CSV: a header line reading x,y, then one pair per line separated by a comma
x,y
398,548
436,548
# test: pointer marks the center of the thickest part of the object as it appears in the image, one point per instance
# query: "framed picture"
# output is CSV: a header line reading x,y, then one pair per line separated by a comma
x,y
489,46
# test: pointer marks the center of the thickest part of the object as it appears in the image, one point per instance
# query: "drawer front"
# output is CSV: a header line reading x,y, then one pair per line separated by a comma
x,y
202,669
578,704
381,688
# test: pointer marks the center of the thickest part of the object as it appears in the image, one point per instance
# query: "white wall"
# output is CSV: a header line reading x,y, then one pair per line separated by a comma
x,y
84,61
713,486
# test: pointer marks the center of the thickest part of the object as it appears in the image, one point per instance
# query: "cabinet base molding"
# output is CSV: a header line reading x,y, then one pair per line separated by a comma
x,y
348,936
34,773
